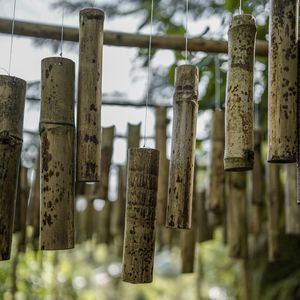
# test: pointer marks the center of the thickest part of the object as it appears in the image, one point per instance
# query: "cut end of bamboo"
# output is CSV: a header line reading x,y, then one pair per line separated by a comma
x,y
244,19
186,78
92,13
239,164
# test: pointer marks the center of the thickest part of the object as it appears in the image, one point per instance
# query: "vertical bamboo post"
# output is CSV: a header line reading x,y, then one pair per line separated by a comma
x,y
292,209
89,94
298,126
181,173
205,231
216,176
57,154
141,196
282,96
237,216
239,154
273,211
12,100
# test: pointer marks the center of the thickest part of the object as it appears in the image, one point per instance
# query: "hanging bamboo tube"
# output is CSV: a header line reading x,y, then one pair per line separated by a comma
x,y
57,154
298,126
134,135
282,97
89,212
237,216
273,211
258,171
292,209
12,100
189,237
141,196
89,94
181,173
239,153
205,231
217,177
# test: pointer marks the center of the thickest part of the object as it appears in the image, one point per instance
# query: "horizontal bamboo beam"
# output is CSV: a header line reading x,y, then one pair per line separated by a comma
x,y
172,42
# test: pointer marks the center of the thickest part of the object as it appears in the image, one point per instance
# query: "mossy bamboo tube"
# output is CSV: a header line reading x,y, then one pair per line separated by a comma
x,y
101,187
141,197
57,135
257,197
205,231
181,172
217,176
282,95
161,122
239,153
273,211
292,209
89,95
237,216
12,100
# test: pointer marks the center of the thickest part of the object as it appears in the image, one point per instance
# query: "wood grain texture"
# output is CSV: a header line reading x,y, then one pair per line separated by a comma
x,y
12,100
141,197
181,172
216,188
239,153
89,95
282,81
57,135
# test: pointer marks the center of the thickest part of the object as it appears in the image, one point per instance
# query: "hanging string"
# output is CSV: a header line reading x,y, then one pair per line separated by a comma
x,y
149,72
186,31
217,83
241,12
62,30
12,37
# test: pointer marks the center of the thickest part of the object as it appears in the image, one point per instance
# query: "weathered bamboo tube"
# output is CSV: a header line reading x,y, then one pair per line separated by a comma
x,y
298,126
239,153
189,237
181,172
237,216
161,123
12,100
141,196
205,231
134,135
257,197
282,95
216,188
89,212
273,211
89,95
57,135
104,234
292,209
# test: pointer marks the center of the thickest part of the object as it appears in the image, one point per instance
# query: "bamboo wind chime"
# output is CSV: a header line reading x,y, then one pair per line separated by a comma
x,y
57,133
12,101
181,173
89,95
239,153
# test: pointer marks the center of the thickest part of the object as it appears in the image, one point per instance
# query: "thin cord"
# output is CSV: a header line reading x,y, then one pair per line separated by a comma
x,y
186,31
241,12
149,72
12,37
62,31
217,83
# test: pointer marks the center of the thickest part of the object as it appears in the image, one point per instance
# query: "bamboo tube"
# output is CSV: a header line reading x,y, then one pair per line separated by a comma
x,y
282,96
205,231
57,154
181,171
258,171
292,209
104,234
12,99
217,177
239,154
273,211
89,94
298,126
134,135
89,212
141,196
237,216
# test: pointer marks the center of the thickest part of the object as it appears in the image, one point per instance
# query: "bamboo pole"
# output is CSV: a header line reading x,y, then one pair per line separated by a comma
x,y
282,96
181,171
89,212
273,211
57,154
239,153
292,209
141,196
12,100
298,126
216,188
121,39
205,230
133,135
237,216
89,95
